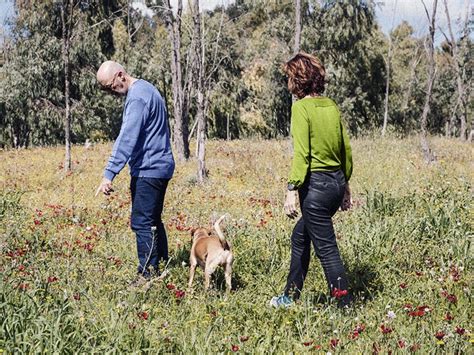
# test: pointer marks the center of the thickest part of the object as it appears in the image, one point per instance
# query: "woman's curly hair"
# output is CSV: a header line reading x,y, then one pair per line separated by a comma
x,y
305,74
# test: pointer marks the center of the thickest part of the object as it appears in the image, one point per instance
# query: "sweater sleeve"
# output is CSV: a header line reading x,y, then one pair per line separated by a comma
x,y
300,133
346,154
124,145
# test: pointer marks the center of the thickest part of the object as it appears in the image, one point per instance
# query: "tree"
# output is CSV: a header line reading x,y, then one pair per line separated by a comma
x,y
181,89
428,155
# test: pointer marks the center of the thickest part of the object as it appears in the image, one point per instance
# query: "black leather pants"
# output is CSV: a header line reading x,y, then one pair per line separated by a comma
x,y
320,198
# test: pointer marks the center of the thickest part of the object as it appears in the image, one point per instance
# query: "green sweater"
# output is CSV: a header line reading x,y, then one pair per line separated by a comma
x,y
320,142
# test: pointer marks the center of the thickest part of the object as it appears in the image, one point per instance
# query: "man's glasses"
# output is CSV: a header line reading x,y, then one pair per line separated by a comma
x,y
109,87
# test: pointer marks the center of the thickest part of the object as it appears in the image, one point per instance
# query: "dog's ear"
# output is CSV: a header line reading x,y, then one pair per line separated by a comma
x,y
193,230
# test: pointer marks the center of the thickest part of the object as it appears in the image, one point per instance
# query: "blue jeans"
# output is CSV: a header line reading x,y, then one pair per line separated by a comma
x,y
320,197
148,195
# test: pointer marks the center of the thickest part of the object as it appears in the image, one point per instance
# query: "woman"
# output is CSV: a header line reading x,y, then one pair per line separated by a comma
x,y
320,173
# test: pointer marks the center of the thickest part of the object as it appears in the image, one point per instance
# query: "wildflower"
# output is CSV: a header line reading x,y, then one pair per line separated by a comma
x,y
77,296
37,222
401,344
360,327
244,338
385,329
333,343
170,286
391,315
460,330
179,294
418,273
449,296
235,348
448,317
407,306
52,279
21,267
23,286
307,343
143,315
403,285
337,293
440,335
414,347
455,273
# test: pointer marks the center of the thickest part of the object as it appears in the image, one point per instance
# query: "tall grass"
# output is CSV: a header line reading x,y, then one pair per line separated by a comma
x,y
67,257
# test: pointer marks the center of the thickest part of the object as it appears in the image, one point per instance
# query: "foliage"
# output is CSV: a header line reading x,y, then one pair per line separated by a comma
x,y
67,257
246,44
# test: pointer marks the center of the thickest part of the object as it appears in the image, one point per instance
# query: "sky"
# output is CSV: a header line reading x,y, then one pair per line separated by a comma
x,y
389,14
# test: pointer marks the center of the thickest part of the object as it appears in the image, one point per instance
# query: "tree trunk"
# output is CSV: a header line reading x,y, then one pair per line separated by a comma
x,y
180,138
201,94
427,153
460,103
387,86
66,16
297,46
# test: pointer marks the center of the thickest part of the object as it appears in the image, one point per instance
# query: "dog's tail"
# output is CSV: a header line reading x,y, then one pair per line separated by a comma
x,y
221,236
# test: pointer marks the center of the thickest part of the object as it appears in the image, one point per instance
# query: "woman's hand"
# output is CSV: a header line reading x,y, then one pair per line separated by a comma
x,y
347,199
290,205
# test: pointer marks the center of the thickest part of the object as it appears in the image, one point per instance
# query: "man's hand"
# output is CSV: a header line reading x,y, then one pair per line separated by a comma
x,y
290,204
105,187
347,199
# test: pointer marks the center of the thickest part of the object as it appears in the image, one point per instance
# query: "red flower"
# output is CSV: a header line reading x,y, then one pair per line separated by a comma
x,y
23,286
52,279
77,296
179,294
307,343
414,347
21,267
355,334
460,330
37,222
170,286
448,317
440,335
403,285
418,273
235,348
317,347
143,315
333,343
244,338
385,329
449,296
407,306
337,293
360,328
455,273
401,344
417,313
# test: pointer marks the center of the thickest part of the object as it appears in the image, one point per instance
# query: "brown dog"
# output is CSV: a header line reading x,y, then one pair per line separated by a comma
x,y
210,251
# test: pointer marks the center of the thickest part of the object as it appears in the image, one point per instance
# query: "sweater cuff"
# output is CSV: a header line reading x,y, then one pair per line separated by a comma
x,y
109,174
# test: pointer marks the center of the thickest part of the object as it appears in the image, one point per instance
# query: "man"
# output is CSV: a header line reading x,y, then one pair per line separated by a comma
x,y
144,141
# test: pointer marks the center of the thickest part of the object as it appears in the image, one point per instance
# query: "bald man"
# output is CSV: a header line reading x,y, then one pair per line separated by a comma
x,y
143,142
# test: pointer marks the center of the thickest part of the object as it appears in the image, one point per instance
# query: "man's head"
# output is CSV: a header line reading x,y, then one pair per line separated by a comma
x,y
113,78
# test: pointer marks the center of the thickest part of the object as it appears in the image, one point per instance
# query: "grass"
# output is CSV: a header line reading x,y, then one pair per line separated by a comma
x,y
67,257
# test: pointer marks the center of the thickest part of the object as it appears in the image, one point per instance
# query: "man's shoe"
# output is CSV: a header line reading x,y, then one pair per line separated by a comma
x,y
281,301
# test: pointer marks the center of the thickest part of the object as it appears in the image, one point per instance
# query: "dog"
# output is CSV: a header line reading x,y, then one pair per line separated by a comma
x,y
209,251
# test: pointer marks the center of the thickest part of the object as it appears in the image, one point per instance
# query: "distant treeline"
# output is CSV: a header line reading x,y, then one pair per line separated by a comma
x,y
244,46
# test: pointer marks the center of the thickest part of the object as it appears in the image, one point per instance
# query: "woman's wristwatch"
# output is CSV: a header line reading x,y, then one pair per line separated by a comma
x,y
292,187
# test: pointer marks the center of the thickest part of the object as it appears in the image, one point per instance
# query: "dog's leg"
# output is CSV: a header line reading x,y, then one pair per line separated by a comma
x,y
211,266
192,270
228,272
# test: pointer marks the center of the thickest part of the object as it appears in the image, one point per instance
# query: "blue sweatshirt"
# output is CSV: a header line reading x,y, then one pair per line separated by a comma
x,y
144,139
